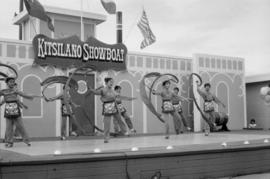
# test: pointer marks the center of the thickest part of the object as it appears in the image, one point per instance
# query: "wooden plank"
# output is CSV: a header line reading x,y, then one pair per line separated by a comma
x,y
86,172
66,166
25,175
27,168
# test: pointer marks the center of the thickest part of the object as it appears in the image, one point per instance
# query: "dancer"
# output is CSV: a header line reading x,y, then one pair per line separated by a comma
x,y
209,108
167,106
177,103
67,112
108,97
21,106
13,111
122,110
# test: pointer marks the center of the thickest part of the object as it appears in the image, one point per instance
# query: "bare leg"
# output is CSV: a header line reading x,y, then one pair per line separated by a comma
x,y
107,126
127,120
19,125
183,119
122,125
166,117
177,124
177,118
212,119
209,120
79,128
9,132
63,127
116,125
185,123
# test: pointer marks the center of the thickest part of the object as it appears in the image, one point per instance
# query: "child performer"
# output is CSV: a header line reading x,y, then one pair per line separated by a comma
x,y
252,124
176,101
13,112
209,108
108,97
122,110
167,106
21,106
67,111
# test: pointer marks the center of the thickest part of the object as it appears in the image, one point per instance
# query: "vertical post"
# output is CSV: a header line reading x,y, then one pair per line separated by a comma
x,y
20,26
119,31
82,25
196,113
67,126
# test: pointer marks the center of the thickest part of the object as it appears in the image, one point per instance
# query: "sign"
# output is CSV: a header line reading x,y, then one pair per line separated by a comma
x,y
72,52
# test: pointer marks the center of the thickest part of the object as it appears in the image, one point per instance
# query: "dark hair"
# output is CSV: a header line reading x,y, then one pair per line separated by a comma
x,y
252,120
176,88
107,79
207,84
117,87
9,78
165,82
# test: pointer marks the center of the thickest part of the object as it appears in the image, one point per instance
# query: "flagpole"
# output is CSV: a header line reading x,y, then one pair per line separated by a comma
x,y
82,25
119,25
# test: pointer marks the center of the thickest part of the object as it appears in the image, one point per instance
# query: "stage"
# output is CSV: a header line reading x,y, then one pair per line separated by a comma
x,y
189,155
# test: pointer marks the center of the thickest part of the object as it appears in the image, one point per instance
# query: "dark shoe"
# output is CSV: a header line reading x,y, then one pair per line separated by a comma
x,y
226,129
214,129
27,143
167,137
106,141
133,131
63,138
9,145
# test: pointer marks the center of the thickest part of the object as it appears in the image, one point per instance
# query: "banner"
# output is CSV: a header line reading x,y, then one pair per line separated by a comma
x,y
72,52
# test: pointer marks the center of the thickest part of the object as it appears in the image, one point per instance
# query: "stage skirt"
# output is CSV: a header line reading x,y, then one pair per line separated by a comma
x,y
121,108
65,111
109,108
209,106
167,106
12,110
177,107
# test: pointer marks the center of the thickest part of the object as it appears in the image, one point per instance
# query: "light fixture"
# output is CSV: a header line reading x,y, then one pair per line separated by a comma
x,y
57,152
97,150
224,144
133,149
246,142
169,147
266,141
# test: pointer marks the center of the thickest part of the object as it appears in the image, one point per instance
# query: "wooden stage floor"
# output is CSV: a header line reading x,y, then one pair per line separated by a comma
x,y
217,155
182,142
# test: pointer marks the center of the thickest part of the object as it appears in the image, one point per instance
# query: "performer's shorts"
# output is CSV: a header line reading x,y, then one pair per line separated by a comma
x,y
209,106
121,108
177,107
12,110
167,106
109,108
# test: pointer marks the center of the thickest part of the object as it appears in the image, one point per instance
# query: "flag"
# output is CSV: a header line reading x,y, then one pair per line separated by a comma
x,y
109,6
148,35
35,9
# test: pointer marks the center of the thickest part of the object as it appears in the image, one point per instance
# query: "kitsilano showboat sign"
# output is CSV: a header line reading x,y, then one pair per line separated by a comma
x,y
72,52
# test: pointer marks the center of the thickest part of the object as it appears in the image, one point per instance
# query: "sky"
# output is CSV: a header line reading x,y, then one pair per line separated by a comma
x,y
238,28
